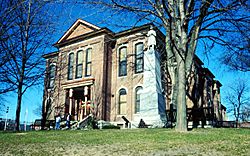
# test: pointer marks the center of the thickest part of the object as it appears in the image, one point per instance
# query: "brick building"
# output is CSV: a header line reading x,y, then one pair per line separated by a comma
x,y
117,75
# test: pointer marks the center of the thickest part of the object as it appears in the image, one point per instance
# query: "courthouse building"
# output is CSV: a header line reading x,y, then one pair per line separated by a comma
x,y
120,75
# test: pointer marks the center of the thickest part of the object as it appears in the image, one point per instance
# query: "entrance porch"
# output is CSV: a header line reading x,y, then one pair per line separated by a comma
x,y
79,102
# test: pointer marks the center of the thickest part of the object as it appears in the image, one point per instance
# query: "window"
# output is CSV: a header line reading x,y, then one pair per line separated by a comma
x,y
122,108
52,73
88,62
79,64
139,58
138,92
70,66
123,61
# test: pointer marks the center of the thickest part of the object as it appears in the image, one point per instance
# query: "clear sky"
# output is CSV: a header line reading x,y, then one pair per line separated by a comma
x,y
66,16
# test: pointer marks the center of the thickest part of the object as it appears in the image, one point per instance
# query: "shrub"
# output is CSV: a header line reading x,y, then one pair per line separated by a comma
x,y
110,127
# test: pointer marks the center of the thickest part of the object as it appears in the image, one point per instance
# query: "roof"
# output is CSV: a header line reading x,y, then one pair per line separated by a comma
x,y
198,60
84,36
133,29
140,28
79,30
223,107
208,72
75,25
51,54
68,39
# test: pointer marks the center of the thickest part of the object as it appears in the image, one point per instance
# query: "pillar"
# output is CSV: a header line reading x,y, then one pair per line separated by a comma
x,y
85,99
70,100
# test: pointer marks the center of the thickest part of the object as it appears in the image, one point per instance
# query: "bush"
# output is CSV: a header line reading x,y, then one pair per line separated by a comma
x,y
91,123
110,127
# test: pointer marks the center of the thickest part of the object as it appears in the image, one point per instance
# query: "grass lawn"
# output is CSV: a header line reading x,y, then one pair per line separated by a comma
x,y
127,142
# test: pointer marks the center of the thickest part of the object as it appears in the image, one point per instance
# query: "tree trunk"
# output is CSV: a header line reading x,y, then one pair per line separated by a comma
x,y
181,121
44,113
18,108
237,121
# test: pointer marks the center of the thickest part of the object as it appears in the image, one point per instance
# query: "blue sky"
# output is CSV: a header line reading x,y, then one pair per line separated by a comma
x,y
68,15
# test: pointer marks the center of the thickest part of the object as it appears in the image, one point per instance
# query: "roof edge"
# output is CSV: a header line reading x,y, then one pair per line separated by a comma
x,y
51,54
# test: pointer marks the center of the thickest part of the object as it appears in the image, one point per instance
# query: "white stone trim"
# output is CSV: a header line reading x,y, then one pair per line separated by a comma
x,y
71,51
138,85
122,87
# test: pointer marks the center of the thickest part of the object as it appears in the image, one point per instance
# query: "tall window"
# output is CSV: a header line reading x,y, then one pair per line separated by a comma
x,y
79,64
138,92
88,62
123,61
122,108
70,66
139,58
52,73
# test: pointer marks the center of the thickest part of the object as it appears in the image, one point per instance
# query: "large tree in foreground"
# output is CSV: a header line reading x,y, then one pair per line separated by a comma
x,y
24,43
185,22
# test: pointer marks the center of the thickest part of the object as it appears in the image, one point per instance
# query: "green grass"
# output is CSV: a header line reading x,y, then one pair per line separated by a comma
x,y
127,142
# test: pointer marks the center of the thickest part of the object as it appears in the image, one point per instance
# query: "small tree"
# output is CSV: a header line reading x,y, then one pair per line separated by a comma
x,y
245,115
238,98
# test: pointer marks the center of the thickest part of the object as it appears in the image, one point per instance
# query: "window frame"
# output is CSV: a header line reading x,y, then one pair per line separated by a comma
x,y
139,57
78,65
123,92
122,63
88,62
51,78
138,105
70,66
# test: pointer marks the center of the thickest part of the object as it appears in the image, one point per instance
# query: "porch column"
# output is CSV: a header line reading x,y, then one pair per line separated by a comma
x,y
76,110
92,99
70,100
85,99
81,110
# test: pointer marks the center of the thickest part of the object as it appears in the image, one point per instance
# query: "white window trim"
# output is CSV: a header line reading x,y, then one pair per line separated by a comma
x,y
134,43
118,100
117,59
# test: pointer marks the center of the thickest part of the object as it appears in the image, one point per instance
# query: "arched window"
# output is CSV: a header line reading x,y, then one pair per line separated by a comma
x,y
123,61
138,92
70,66
79,64
139,57
88,62
122,108
52,74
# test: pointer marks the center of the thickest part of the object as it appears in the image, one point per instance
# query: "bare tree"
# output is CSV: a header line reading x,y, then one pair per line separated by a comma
x,y
238,98
185,22
245,115
24,43
38,110
6,23
237,56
